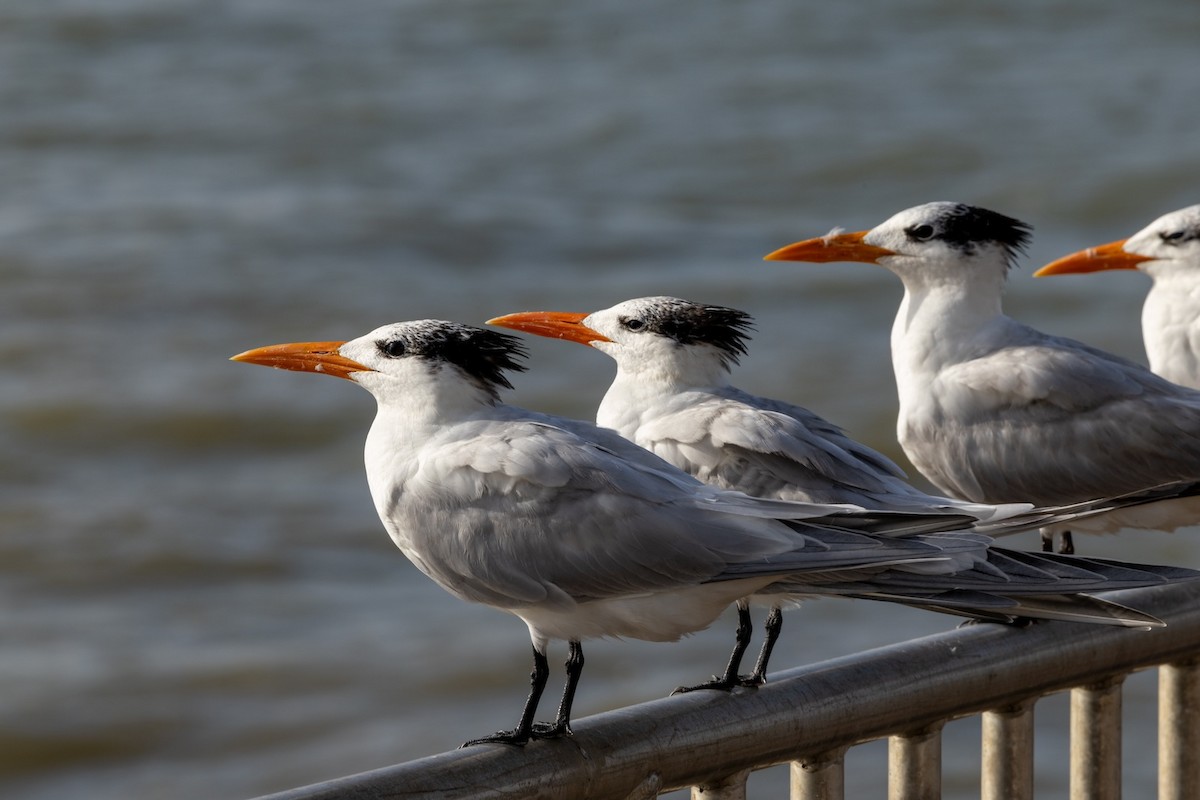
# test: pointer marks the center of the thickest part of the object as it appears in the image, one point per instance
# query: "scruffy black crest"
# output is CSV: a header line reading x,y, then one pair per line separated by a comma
x,y
483,355
964,227
726,329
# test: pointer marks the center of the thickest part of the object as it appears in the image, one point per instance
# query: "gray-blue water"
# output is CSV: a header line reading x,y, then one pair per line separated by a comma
x,y
196,599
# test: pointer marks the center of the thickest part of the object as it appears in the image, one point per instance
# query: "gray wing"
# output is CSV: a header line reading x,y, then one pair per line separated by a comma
x,y
515,512
1007,585
1049,420
768,448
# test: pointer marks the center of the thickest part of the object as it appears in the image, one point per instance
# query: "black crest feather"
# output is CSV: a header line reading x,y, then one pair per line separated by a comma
x,y
726,329
964,227
483,355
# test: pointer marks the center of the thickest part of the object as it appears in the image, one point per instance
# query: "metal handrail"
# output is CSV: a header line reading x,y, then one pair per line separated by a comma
x,y
811,714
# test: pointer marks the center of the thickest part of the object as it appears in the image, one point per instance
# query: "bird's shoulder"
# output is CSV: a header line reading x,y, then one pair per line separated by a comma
x,y
1055,373
524,451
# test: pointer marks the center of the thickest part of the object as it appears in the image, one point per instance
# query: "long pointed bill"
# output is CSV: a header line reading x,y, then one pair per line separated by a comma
x,y
319,357
832,247
552,324
1094,259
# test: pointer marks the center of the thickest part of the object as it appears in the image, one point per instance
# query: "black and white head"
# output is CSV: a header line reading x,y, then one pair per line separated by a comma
x,y
664,325
1167,247
931,240
952,230
398,360
658,333
1170,242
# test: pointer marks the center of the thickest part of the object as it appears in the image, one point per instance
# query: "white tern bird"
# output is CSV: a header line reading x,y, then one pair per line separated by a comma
x,y
992,410
1168,250
672,396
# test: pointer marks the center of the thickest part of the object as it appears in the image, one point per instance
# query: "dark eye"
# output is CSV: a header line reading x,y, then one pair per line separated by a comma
x,y
921,233
633,324
1172,237
393,348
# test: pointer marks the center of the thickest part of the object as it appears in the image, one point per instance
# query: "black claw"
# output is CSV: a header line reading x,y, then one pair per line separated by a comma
x,y
724,684
527,729
520,735
1067,544
512,737
730,678
551,730
719,684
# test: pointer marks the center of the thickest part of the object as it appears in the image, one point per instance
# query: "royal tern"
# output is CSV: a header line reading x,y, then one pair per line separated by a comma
x,y
582,534
1168,250
672,396
995,411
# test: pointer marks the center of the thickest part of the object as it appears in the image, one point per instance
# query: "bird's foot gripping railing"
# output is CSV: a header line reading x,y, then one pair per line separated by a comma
x,y
810,716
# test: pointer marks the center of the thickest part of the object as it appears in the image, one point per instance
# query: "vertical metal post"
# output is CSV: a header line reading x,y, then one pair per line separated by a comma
x,y
1007,753
1179,730
821,777
1096,740
731,787
915,765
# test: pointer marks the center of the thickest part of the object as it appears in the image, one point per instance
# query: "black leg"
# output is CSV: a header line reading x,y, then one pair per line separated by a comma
x,y
562,725
1066,544
1047,540
537,683
745,630
772,627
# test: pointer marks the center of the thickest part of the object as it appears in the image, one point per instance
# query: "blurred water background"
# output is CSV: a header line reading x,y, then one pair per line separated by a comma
x,y
197,599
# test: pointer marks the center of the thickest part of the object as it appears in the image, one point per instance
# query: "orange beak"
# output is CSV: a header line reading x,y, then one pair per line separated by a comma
x,y
838,247
319,357
552,324
1094,259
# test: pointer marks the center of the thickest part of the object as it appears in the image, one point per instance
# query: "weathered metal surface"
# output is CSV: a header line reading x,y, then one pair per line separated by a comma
x,y
1179,730
700,737
819,777
1096,740
1007,753
915,765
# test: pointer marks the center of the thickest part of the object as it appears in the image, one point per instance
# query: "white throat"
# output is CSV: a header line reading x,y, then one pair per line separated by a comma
x,y
941,323
641,385
1171,326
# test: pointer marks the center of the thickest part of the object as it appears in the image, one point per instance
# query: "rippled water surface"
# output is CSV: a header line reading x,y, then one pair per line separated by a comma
x,y
198,600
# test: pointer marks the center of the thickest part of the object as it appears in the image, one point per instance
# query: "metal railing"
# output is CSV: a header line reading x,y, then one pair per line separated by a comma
x,y
810,716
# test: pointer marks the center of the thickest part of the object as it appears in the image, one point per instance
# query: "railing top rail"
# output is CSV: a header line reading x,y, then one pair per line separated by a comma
x,y
694,738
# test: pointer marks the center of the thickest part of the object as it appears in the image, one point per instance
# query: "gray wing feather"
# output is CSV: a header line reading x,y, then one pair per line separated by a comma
x,y
517,512
1050,420
1008,585
768,448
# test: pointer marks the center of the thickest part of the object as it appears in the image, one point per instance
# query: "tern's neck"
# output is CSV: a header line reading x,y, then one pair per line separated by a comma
x,y
639,390
400,432
941,324
409,421
1171,327
411,411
